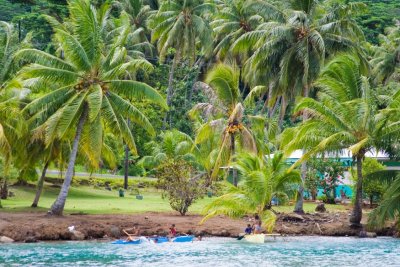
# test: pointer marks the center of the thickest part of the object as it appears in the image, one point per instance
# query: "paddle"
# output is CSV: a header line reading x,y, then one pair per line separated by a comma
x,y
241,237
129,235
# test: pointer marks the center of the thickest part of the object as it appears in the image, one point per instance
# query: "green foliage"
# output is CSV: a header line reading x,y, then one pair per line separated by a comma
x,y
389,207
381,14
180,184
262,180
373,188
325,174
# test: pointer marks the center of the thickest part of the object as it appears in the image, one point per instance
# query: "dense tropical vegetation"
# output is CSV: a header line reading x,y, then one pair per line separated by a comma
x,y
202,91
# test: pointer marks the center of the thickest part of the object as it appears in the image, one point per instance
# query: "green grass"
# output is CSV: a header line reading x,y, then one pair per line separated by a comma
x,y
100,201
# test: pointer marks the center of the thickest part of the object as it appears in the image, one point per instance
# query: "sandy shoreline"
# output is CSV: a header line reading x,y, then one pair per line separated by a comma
x,y
29,227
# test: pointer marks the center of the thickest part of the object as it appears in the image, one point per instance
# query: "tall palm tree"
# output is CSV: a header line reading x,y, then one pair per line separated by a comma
x,y
263,179
289,54
180,24
224,115
345,115
88,100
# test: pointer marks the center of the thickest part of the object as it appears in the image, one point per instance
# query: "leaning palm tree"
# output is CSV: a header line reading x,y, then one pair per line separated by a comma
x,y
88,99
344,115
180,24
263,179
224,114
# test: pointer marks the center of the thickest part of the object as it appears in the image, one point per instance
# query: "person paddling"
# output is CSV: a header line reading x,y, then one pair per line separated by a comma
x,y
134,233
172,231
248,230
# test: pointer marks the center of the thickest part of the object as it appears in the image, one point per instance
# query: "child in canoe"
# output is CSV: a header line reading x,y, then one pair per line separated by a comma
x,y
172,231
248,230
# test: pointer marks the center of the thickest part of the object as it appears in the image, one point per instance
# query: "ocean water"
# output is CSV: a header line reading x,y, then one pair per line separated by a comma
x,y
289,251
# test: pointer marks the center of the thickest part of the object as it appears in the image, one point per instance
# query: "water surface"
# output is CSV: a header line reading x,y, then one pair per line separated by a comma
x,y
292,251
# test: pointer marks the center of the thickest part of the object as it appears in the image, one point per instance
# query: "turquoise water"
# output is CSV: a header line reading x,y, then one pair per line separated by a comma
x,y
293,251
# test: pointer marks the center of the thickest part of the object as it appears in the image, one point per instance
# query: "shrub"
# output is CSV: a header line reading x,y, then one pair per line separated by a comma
x,y
180,184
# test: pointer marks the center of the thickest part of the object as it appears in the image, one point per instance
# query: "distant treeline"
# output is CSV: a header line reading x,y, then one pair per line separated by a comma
x,y
382,13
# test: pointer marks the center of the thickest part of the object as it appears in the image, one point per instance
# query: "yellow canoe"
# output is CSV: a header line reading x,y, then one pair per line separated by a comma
x,y
257,238
260,238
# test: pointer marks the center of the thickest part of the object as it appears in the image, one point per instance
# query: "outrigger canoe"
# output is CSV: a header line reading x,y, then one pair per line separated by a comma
x,y
161,239
260,238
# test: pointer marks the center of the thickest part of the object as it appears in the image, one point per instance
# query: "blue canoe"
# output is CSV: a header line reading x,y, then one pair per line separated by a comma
x,y
124,242
161,239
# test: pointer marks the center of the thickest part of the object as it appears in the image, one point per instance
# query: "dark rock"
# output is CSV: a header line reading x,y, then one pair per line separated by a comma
x,y
115,232
30,239
320,208
365,234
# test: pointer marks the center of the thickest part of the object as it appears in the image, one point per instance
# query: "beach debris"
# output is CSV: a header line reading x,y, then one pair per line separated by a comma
x,y
71,228
5,239
76,235
292,217
319,228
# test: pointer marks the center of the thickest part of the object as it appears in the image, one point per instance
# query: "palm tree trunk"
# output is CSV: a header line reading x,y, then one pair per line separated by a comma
x,y
4,189
58,206
282,112
198,63
126,162
170,91
126,167
40,186
356,215
234,171
299,204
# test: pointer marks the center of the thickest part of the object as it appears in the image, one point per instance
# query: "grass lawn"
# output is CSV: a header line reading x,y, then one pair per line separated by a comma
x,y
100,201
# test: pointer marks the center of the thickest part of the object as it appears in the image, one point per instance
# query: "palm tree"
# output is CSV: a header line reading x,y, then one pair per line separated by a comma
x,y
387,56
224,114
263,179
389,207
236,18
88,100
180,24
289,54
137,14
173,145
12,126
345,115
291,51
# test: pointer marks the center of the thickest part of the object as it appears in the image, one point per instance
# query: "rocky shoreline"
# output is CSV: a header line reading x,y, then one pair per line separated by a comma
x,y
32,227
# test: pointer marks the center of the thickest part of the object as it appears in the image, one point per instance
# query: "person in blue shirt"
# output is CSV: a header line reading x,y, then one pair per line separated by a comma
x,y
248,230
